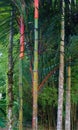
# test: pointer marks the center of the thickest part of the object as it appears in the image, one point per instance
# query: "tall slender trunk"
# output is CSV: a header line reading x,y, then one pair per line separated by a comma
x,y
20,97
35,70
10,75
22,29
68,86
68,103
22,34
61,73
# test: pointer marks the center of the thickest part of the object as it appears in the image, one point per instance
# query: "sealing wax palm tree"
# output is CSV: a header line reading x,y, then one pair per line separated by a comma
x,y
35,70
49,39
61,73
21,7
22,29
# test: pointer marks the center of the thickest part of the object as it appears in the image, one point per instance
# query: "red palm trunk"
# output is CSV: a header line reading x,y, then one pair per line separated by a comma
x,y
36,4
22,29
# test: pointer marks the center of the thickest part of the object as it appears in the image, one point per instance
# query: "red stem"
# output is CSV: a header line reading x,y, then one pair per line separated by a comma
x,y
22,30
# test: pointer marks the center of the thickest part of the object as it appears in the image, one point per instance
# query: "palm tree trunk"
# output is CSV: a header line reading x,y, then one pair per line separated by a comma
x,y
10,75
20,97
35,70
68,103
61,74
22,29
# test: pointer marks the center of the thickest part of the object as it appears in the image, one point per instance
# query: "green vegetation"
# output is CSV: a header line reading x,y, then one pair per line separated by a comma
x,y
34,83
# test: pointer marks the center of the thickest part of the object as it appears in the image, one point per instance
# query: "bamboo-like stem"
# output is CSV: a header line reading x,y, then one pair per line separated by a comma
x,y
35,70
22,29
61,73
68,104
20,96
35,77
10,76
68,87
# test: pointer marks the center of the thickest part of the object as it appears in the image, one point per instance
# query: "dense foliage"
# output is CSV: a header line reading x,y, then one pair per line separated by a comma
x,y
48,50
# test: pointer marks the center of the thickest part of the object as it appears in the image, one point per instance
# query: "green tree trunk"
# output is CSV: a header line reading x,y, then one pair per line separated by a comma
x,y
35,78
61,74
20,96
10,75
68,102
35,70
